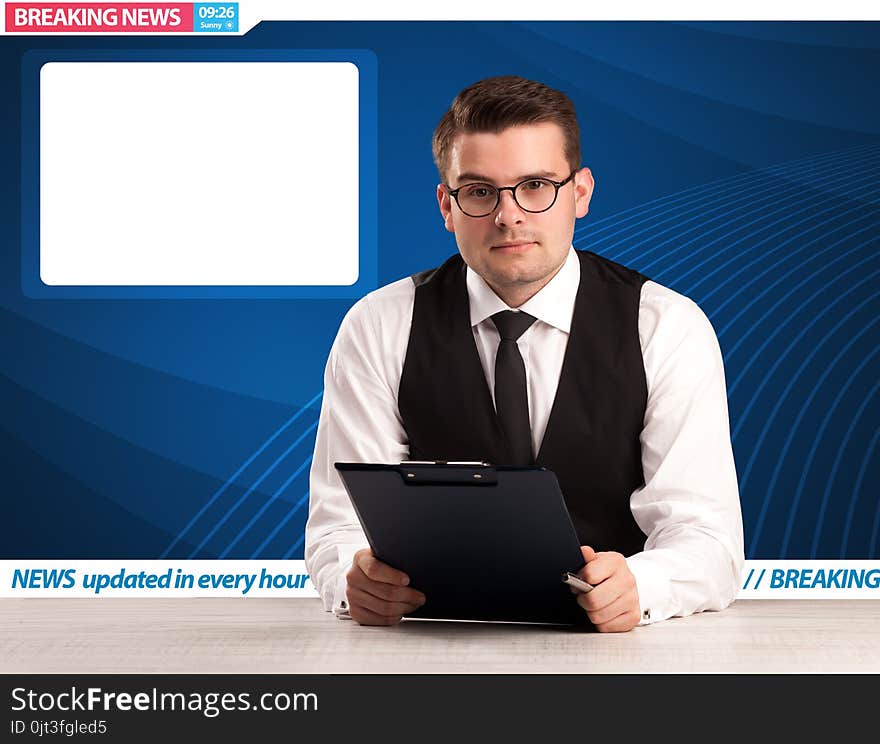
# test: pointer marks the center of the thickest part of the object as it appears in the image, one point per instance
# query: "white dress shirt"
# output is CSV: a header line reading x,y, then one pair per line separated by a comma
x,y
689,506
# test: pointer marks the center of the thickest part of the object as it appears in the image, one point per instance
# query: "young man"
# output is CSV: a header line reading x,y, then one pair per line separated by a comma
x,y
521,350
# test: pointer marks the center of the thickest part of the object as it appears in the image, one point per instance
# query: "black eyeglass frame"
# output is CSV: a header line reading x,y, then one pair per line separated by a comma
x,y
512,189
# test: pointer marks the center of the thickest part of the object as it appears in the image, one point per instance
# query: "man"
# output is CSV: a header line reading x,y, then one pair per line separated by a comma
x,y
521,350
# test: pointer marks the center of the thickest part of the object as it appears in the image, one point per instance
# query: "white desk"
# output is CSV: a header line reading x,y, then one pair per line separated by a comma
x,y
296,636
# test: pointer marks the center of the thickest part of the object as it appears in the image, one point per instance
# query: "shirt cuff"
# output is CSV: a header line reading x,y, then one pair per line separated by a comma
x,y
340,602
345,554
654,588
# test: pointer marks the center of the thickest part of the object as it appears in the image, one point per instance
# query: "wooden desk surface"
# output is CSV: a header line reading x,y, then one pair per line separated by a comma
x,y
296,636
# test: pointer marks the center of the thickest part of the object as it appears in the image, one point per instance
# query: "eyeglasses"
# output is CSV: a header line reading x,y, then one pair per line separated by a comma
x,y
531,195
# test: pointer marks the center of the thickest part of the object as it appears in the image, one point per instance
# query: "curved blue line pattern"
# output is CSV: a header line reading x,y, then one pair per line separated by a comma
x,y
210,523
818,437
709,194
723,196
720,186
741,374
268,503
875,526
746,198
829,483
820,521
783,262
869,180
848,235
253,487
278,527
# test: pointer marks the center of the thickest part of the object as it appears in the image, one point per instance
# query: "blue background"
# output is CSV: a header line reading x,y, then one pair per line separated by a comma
x,y
736,163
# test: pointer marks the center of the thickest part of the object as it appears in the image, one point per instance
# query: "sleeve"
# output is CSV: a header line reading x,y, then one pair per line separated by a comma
x,y
359,422
689,506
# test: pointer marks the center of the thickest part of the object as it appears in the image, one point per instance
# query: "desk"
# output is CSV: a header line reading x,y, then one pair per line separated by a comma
x,y
296,636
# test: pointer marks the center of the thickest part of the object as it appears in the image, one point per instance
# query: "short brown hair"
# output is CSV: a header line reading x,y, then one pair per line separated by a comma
x,y
494,104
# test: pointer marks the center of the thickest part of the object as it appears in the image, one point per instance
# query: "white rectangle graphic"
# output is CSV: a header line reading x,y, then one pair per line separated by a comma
x,y
199,173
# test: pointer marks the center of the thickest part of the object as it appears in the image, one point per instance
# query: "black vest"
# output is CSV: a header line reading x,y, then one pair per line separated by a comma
x,y
592,436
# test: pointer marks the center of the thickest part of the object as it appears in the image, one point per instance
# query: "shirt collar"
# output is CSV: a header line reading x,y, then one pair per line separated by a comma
x,y
553,304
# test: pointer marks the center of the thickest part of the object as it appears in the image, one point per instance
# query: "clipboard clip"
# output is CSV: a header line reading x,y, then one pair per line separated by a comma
x,y
441,472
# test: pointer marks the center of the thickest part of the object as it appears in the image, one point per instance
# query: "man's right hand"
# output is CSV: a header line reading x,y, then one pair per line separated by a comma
x,y
377,593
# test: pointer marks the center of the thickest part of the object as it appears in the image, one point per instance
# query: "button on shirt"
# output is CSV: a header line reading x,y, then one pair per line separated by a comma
x,y
689,506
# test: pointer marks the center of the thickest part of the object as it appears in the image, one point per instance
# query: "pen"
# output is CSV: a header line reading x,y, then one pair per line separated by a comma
x,y
577,582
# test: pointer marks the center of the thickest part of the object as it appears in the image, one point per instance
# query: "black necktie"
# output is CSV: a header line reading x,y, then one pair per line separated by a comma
x,y
511,398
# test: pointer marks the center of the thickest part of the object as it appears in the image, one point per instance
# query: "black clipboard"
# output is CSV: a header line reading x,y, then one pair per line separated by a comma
x,y
482,542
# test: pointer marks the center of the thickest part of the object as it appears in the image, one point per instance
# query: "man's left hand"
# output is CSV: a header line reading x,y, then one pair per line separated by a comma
x,y
613,605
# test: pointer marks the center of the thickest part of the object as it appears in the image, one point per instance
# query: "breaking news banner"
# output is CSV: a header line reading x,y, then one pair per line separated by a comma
x,y
362,360
234,578
33,18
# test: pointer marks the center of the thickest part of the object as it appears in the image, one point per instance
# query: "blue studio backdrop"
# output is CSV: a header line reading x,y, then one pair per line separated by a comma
x,y
736,163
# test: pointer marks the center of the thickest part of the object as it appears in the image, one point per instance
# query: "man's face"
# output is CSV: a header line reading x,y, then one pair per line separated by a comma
x,y
513,250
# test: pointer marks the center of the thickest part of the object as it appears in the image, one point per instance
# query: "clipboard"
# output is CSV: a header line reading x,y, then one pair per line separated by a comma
x,y
482,542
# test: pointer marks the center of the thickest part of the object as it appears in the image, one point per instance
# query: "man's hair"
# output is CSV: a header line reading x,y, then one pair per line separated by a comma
x,y
494,104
